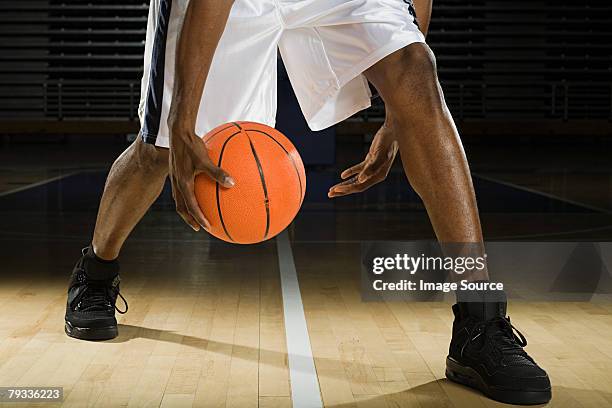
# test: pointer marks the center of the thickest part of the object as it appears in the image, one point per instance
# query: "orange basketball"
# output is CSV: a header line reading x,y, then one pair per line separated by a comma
x,y
270,182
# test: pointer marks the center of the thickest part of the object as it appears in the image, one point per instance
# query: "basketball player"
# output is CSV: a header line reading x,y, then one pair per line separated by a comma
x,y
331,49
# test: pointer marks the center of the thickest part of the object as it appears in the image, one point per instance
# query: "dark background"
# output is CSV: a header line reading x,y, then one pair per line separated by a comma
x,y
529,66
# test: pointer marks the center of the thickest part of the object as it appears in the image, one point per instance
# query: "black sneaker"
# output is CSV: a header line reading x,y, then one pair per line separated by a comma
x,y
93,291
486,353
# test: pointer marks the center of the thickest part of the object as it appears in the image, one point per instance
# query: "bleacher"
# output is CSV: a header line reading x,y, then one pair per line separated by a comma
x,y
71,59
528,60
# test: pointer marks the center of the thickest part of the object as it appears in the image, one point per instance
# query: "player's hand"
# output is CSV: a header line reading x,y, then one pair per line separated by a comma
x,y
372,170
188,158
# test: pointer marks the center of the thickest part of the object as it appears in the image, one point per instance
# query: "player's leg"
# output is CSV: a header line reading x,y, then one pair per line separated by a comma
x,y
138,175
325,56
419,120
134,182
426,135
484,352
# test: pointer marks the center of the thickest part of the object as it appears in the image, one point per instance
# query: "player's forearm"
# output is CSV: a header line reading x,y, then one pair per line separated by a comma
x,y
200,33
423,12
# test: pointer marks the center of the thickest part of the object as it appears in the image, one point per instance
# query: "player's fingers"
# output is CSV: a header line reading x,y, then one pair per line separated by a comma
x,y
343,188
351,171
347,182
217,174
356,185
181,209
349,189
193,208
189,220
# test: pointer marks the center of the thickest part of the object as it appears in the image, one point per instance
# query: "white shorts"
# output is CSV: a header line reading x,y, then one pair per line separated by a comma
x,y
326,45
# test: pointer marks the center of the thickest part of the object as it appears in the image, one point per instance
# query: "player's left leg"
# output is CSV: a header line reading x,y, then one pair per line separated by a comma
x,y
484,352
422,125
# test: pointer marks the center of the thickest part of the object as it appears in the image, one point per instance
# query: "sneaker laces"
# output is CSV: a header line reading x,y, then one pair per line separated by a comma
x,y
99,298
504,337
124,302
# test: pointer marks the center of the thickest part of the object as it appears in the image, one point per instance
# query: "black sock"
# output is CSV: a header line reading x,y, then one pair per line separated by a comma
x,y
483,304
463,296
97,268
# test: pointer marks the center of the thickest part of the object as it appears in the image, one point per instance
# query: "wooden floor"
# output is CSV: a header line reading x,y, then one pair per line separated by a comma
x,y
214,338
211,334
205,327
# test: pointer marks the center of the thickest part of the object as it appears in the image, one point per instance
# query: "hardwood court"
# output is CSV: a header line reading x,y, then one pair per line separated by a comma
x,y
206,322
211,333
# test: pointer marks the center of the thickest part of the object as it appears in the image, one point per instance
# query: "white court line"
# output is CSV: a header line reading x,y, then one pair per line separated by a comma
x,y
305,392
37,184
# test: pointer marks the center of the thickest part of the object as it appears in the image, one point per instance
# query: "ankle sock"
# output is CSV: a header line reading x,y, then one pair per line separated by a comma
x,y
483,304
97,268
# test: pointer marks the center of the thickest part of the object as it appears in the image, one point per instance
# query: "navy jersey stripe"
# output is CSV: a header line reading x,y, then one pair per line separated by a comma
x,y
412,11
155,92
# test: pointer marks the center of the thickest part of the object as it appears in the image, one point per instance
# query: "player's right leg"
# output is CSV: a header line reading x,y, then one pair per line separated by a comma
x,y
134,182
138,175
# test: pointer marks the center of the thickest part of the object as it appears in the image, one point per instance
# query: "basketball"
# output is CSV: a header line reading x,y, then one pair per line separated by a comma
x,y
270,182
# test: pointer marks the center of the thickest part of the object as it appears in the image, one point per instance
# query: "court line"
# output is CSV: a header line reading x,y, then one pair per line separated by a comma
x,y
541,193
305,391
37,184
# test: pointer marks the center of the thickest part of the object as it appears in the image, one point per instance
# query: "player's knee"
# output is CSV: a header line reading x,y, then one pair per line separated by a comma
x,y
416,93
151,158
418,61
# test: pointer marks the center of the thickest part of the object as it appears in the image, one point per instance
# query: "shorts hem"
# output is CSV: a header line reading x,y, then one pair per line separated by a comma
x,y
345,114
163,142
358,69
379,54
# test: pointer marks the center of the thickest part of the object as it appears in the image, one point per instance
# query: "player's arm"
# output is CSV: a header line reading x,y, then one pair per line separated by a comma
x,y
423,12
202,28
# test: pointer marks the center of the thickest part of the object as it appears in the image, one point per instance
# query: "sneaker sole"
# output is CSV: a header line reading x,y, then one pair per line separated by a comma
x,y
88,333
468,376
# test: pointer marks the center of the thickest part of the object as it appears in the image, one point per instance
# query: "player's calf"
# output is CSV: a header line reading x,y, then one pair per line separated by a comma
x,y
134,182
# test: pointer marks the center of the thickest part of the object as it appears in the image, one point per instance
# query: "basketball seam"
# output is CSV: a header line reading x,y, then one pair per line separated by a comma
x,y
217,187
216,133
263,184
289,155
